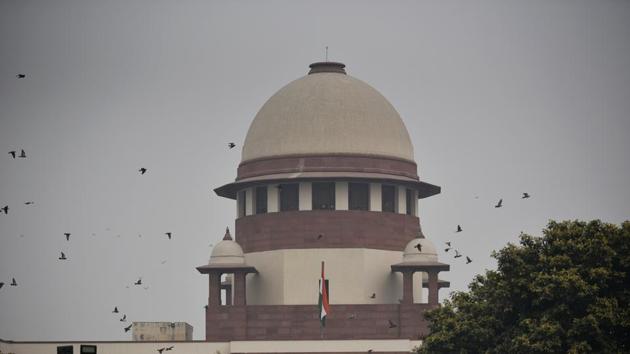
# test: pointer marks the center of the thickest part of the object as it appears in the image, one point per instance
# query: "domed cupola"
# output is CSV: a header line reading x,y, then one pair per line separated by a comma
x,y
227,251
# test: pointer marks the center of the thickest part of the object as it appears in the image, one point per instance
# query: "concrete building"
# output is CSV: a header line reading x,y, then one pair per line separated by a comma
x,y
161,331
327,175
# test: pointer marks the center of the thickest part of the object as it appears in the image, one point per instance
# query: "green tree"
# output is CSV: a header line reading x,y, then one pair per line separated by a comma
x,y
565,292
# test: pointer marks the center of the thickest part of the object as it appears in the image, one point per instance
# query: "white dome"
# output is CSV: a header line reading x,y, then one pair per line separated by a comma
x,y
327,113
227,252
412,254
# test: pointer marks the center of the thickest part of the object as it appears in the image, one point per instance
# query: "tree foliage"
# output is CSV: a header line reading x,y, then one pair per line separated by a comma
x,y
565,292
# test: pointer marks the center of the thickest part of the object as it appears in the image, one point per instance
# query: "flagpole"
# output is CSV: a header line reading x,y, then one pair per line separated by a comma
x,y
323,286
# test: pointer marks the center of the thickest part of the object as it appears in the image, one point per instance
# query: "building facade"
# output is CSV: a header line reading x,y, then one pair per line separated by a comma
x,y
327,175
161,331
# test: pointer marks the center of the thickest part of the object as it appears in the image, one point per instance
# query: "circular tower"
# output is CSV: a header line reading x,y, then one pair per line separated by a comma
x,y
327,175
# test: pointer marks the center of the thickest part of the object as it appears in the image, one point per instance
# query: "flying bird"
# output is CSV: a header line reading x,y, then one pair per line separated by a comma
x,y
160,350
20,76
67,236
319,237
419,247
373,296
142,170
447,249
459,229
29,203
168,234
63,257
205,307
525,196
139,282
22,154
170,348
115,309
13,282
448,243
468,260
499,204
124,318
128,328
457,255
5,209
392,324
12,153
231,145
1,285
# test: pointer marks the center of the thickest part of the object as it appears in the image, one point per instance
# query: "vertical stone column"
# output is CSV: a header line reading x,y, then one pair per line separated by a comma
x,y
239,288
433,288
407,287
228,295
214,289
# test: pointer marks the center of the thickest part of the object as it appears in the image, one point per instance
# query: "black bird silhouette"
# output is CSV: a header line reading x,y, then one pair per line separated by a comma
x,y
170,348
457,255
459,229
319,237
447,249
160,350
12,153
139,282
205,307
468,260
392,324
373,296
419,247
142,170
13,282
168,234
499,204
67,236
448,243
63,257
115,309
124,318
20,76
231,145
1,285
525,196
29,203
128,328
23,154
5,209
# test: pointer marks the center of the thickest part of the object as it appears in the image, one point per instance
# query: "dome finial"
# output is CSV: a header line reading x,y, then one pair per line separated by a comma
x,y
227,234
327,67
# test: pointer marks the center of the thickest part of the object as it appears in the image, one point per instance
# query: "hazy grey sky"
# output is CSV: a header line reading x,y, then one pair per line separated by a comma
x,y
499,97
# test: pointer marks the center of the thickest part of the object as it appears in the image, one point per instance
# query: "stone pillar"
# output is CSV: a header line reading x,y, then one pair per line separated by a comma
x,y
239,288
407,287
433,288
214,289
228,295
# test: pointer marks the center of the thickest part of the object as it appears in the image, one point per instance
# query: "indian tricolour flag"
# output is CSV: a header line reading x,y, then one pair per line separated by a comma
x,y
324,308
